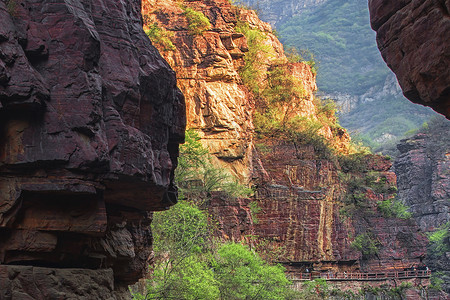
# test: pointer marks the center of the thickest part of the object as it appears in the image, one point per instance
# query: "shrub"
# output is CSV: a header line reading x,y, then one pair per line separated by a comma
x,y
366,244
195,165
188,264
436,281
255,209
160,37
440,240
315,289
258,53
242,274
390,208
11,7
197,22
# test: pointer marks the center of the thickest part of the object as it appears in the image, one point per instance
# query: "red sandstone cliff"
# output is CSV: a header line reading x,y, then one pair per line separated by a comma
x,y
218,105
413,37
422,170
298,188
90,122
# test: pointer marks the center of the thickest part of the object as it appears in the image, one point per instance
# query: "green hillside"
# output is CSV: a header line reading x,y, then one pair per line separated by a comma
x,y
339,35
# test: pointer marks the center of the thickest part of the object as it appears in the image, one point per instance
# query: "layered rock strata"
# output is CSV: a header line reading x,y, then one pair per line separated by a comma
x,y
298,190
422,170
218,104
413,37
304,215
90,122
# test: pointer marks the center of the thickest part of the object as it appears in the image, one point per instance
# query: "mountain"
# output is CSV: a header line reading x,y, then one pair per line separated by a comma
x,y
338,34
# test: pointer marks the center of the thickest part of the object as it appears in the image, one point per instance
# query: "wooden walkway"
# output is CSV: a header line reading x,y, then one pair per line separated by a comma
x,y
364,276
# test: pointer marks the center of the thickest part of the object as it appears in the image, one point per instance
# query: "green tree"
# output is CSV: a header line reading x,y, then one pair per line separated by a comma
x,y
196,174
242,274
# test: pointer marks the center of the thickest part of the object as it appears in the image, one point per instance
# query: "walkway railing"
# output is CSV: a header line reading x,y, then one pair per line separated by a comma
x,y
364,276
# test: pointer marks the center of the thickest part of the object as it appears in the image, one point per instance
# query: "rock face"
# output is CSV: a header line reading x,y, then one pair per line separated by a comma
x,y
422,175
422,170
90,122
302,194
298,190
218,105
414,41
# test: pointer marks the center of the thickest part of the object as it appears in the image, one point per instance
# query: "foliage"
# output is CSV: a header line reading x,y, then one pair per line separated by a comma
x,y
440,239
11,7
197,22
190,278
181,268
392,207
339,35
436,281
189,264
160,37
366,244
258,53
304,55
180,231
195,166
315,289
254,210
353,163
387,291
242,274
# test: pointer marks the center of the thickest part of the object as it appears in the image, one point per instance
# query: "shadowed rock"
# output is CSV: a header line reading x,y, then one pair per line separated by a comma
x,y
90,123
413,38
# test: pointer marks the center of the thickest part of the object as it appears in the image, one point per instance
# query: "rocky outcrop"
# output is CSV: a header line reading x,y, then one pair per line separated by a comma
x,y
422,175
304,195
218,104
90,122
413,39
422,170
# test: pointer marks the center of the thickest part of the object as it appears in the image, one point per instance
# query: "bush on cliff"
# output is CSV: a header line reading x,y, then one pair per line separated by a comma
x,y
196,174
258,53
197,22
366,244
160,37
393,208
440,240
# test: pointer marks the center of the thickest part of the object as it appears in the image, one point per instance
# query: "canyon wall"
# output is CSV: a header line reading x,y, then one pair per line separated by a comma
x,y
422,170
299,190
413,39
305,212
90,123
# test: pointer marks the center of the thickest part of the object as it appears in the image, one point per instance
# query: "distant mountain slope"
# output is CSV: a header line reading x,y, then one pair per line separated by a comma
x,y
351,70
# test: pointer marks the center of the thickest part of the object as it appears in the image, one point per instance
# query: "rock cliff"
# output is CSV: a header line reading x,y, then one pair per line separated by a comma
x,y
218,104
298,188
90,122
413,39
422,170
308,199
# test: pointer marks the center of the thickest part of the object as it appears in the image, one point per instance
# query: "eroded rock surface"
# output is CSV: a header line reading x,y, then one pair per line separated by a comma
x,y
413,37
422,170
218,104
90,122
304,213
